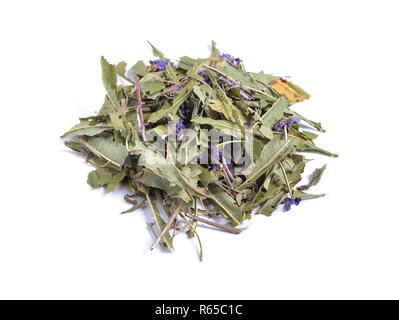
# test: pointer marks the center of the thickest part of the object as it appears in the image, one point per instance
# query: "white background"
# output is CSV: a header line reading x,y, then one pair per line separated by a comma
x,y
60,239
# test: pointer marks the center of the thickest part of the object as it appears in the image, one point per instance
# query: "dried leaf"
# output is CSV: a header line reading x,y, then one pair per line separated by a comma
x,y
316,176
290,91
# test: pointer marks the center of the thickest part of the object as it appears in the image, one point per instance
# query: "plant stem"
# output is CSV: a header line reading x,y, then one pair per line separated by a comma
x,y
217,225
172,89
140,117
166,228
286,178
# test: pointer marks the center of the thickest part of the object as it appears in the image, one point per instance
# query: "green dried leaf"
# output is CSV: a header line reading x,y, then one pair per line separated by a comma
x,y
308,146
227,127
186,63
131,141
85,129
180,98
117,124
274,113
215,51
272,152
140,68
158,220
316,176
139,205
99,177
304,195
226,203
156,52
107,149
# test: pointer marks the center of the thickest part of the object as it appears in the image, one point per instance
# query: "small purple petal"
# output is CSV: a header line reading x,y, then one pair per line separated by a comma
x,y
205,75
237,61
291,121
160,64
298,200
288,203
291,201
279,126
179,126
227,56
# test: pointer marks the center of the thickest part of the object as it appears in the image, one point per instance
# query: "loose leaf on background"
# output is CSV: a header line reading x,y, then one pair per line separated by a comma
x,y
308,146
316,176
304,195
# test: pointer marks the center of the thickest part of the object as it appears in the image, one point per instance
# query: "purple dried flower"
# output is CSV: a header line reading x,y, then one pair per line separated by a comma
x,y
205,75
230,58
279,126
160,64
249,123
227,56
298,200
291,121
214,166
185,109
237,61
291,201
179,126
227,81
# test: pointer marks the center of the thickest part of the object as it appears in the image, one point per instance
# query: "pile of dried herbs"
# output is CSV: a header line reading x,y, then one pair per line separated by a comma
x,y
199,138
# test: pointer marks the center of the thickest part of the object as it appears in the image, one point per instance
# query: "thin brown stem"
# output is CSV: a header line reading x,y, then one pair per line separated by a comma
x,y
227,190
217,225
166,228
172,89
151,225
180,231
230,187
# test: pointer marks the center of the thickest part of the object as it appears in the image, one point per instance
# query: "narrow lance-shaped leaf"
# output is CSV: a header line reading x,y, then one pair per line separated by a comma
x,y
157,52
226,203
85,129
135,207
307,146
158,220
271,153
110,82
106,148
